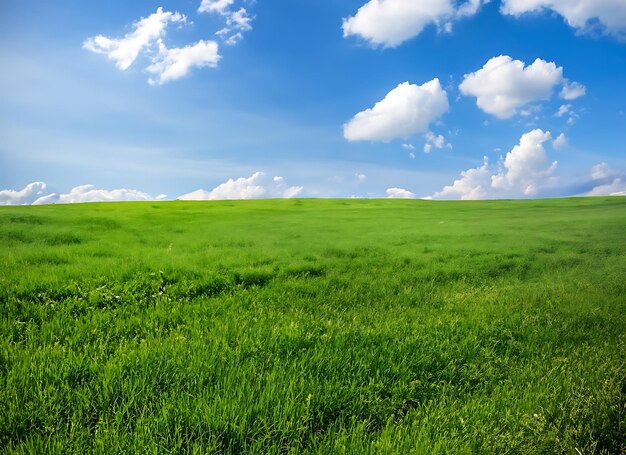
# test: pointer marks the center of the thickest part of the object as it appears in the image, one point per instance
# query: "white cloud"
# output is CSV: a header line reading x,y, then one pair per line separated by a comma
x,y
406,110
566,110
560,142
89,193
124,51
611,182
573,90
172,64
38,193
237,22
433,140
526,165
214,6
399,193
412,155
240,20
257,186
601,171
389,23
609,15
522,173
563,110
617,187
473,184
233,39
360,177
470,7
168,64
503,85
28,195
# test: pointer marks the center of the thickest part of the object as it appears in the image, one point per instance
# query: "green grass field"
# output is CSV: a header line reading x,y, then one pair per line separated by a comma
x,y
314,326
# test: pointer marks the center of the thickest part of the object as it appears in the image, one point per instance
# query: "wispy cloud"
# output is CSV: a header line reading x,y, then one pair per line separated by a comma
x,y
146,32
167,64
237,21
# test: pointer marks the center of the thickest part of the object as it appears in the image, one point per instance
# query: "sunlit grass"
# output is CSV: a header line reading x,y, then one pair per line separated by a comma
x,y
314,326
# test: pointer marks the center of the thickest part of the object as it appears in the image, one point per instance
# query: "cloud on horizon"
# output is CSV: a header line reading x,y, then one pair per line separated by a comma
x,y
38,193
399,193
524,171
609,181
257,186
26,196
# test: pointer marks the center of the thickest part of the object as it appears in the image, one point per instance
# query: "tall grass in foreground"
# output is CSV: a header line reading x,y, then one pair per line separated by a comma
x,y
314,326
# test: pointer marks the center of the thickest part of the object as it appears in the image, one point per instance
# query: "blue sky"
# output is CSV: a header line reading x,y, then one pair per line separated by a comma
x,y
277,100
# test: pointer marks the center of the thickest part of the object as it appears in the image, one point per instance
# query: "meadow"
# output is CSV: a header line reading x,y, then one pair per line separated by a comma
x,y
314,327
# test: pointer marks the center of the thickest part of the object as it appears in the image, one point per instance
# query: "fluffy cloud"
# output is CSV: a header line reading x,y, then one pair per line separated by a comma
x,y
573,91
609,15
503,85
38,193
399,193
526,165
28,195
172,64
146,32
257,186
473,184
407,109
389,23
522,173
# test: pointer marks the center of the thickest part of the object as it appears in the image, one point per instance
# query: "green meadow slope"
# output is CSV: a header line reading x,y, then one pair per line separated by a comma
x,y
314,326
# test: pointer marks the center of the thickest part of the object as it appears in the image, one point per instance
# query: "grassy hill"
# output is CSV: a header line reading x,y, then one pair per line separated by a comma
x,y
314,326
